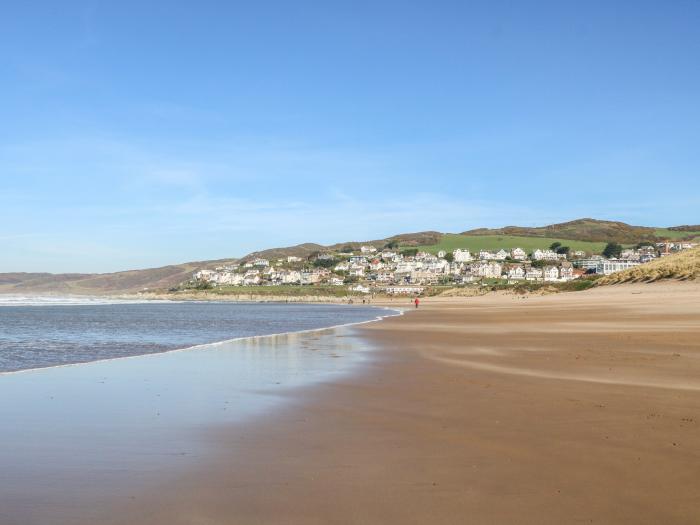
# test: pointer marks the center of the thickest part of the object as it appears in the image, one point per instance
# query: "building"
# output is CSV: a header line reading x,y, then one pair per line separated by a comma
x,y
251,279
289,277
462,255
404,290
491,270
534,274
357,271
550,273
518,254
590,263
608,266
545,255
204,275
566,271
516,273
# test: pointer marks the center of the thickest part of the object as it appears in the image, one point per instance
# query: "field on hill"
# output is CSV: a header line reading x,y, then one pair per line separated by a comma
x,y
666,233
581,230
474,243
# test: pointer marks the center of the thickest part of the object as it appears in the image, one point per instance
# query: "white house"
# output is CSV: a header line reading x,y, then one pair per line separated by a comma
x,y
384,277
566,272
533,274
545,255
462,255
518,254
357,271
360,288
486,255
516,273
463,279
204,275
251,279
335,281
488,270
551,273
293,259
367,249
261,262
501,255
235,279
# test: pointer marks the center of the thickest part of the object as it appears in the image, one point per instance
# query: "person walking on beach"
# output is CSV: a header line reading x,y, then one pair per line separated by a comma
x,y
416,302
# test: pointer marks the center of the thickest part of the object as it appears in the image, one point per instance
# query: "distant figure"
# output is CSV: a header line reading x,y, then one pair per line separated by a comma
x,y
416,302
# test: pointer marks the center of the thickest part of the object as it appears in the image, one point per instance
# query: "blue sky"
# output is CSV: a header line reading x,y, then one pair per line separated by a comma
x,y
137,134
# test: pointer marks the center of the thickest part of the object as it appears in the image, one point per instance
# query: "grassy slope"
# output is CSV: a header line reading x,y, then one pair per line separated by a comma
x,y
475,243
304,250
580,230
666,233
684,265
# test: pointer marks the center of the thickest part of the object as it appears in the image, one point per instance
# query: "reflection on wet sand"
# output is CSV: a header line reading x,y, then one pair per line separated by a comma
x,y
93,432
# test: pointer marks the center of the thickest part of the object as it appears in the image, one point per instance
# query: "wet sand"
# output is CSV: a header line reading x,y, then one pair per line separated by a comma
x,y
572,408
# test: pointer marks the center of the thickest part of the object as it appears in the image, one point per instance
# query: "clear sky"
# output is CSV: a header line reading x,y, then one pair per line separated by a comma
x,y
137,134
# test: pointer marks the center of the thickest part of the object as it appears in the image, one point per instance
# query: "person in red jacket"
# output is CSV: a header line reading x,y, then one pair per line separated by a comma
x,y
416,302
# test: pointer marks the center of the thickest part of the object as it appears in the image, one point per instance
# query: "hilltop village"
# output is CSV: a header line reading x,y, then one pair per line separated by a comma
x,y
407,271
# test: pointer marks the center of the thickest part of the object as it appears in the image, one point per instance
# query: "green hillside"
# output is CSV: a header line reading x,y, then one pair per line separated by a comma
x,y
674,234
474,243
591,230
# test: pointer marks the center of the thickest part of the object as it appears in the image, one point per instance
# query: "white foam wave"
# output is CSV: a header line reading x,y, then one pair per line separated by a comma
x,y
71,300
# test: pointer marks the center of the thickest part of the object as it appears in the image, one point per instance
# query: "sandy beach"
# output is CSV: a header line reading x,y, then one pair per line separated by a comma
x,y
571,408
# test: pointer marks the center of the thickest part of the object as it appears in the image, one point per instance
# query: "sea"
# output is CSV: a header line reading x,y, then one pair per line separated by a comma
x,y
39,332
101,400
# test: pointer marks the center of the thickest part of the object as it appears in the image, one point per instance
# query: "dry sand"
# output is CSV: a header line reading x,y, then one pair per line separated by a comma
x,y
569,408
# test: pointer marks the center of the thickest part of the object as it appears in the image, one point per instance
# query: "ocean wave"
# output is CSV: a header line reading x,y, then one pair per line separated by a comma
x,y
70,300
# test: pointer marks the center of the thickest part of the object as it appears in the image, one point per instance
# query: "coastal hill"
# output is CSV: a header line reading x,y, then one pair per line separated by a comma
x,y
406,240
591,230
583,234
682,266
106,283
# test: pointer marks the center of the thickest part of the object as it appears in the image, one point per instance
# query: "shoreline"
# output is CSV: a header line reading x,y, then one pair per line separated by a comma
x,y
206,346
416,439
129,425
